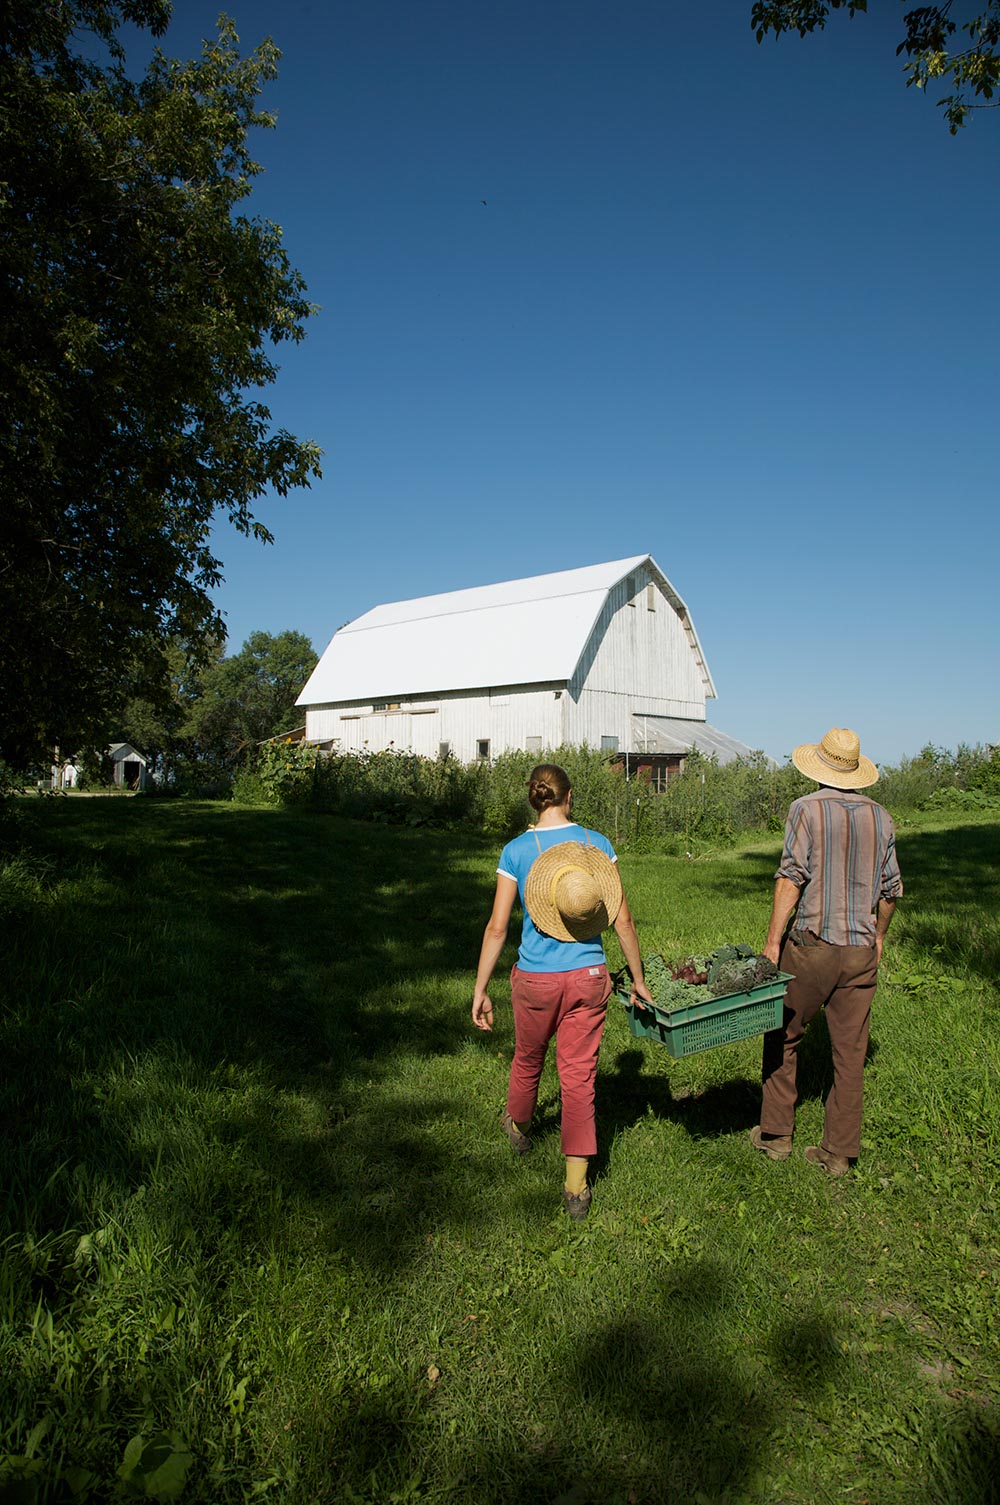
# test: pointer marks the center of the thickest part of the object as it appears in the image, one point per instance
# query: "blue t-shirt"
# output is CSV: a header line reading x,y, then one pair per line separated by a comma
x,y
539,952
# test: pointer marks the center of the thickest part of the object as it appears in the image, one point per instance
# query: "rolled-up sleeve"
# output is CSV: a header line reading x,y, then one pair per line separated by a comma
x,y
794,864
891,886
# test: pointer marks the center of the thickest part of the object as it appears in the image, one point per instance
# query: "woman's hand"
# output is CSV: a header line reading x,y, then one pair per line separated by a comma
x,y
640,989
494,937
482,1011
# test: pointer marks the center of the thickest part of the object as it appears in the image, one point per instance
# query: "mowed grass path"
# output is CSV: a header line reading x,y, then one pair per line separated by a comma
x,y
257,1211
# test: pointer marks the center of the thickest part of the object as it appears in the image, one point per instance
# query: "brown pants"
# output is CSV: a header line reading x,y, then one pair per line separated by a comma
x,y
841,979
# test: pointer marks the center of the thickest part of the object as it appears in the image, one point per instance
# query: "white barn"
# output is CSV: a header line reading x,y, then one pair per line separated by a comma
x,y
606,656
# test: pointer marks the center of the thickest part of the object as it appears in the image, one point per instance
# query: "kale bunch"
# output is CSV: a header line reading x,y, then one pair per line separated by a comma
x,y
740,972
668,989
695,979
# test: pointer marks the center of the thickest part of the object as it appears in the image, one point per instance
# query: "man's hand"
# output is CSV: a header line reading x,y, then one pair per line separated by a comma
x,y
786,897
884,911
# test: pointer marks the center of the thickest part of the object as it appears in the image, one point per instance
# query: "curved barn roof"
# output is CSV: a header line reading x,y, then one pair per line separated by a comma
x,y
530,631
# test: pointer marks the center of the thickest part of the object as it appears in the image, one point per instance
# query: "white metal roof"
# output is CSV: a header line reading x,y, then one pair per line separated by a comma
x,y
674,734
530,631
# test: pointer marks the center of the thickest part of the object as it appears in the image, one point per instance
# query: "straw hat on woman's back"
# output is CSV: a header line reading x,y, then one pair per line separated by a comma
x,y
573,892
837,760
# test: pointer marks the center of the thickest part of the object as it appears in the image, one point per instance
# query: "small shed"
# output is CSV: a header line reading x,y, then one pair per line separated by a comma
x,y
129,768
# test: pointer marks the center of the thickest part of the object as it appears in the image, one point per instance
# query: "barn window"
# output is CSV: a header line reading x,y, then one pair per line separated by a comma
x,y
483,749
533,744
651,597
630,589
609,744
444,748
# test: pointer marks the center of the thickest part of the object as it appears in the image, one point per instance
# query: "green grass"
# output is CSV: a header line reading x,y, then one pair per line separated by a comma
x,y
257,1212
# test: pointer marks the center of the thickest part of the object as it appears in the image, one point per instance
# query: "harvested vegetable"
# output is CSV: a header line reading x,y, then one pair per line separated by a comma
x,y
695,979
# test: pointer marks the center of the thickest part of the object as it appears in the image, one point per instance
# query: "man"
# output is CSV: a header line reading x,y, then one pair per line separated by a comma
x,y
835,894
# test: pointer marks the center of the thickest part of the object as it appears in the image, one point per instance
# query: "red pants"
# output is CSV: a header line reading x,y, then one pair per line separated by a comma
x,y
840,979
572,1006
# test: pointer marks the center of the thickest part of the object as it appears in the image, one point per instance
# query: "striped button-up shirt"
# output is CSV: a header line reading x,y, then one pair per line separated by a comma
x,y
840,850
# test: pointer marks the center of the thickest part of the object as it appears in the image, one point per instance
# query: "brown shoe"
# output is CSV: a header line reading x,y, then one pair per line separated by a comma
x,y
778,1148
577,1204
519,1143
834,1165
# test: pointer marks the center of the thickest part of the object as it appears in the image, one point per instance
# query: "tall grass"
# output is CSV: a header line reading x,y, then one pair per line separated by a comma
x,y
260,1235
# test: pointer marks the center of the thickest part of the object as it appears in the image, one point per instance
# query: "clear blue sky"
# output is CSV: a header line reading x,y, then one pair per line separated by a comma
x,y
733,306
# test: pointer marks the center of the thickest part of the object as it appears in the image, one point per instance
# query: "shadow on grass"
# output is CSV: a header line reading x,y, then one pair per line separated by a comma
x,y
951,878
626,1093
296,951
663,1406
960,1454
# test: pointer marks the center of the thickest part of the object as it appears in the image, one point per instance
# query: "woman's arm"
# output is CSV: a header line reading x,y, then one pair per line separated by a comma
x,y
494,939
628,939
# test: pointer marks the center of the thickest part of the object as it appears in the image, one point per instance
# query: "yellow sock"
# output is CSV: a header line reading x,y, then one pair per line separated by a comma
x,y
576,1174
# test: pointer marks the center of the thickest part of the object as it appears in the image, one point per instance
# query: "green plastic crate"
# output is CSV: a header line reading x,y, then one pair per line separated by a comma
x,y
717,1021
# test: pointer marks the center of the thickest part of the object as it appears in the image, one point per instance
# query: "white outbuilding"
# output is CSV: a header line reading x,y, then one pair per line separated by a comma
x,y
606,656
129,767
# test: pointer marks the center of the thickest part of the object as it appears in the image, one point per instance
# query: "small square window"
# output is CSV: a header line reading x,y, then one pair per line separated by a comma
x,y
609,744
533,744
444,748
483,749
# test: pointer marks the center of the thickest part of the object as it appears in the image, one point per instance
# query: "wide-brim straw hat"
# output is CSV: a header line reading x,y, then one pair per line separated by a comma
x,y
573,892
837,760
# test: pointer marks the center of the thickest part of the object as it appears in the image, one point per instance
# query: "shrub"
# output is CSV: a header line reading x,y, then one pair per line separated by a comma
x,y
707,805
962,799
279,773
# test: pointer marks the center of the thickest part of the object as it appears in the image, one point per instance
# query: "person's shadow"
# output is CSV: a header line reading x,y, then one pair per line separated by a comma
x,y
627,1092
634,1085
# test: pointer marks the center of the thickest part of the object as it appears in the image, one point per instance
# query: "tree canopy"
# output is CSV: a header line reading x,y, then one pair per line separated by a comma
x,y
958,45
143,311
219,705
251,695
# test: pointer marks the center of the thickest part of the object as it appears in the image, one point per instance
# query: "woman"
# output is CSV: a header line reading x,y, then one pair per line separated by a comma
x,y
566,878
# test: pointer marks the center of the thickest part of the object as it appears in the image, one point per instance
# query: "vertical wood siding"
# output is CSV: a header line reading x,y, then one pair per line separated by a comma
x,y
637,661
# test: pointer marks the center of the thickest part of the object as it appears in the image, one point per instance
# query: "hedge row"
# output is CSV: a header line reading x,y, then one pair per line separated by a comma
x,y
708,803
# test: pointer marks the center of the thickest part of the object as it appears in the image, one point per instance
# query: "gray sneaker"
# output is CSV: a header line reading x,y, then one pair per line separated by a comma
x,y
577,1204
519,1143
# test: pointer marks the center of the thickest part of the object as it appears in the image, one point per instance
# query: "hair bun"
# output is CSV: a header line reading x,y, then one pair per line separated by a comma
x,y
548,784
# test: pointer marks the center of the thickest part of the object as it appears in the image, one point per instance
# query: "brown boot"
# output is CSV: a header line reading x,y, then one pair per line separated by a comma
x,y
577,1204
519,1143
834,1165
778,1148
